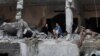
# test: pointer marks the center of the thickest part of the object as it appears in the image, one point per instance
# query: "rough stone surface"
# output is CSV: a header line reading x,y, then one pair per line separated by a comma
x,y
50,47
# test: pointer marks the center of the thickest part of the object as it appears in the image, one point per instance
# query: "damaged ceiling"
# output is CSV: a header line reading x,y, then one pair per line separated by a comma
x,y
45,2
36,2
86,4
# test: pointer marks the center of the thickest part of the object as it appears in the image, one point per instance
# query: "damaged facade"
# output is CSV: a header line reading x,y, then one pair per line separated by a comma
x,y
34,14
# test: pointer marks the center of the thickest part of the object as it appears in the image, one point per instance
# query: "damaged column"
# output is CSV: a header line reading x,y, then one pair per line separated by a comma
x,y
23,46
19,17
19,9
69,18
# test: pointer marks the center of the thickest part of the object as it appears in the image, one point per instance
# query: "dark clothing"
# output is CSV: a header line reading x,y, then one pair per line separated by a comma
x,y
28,34
45,30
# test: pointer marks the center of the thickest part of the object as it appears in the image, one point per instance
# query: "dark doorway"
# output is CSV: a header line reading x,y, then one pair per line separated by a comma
x,y
1,20
60,19
3,54
75,24
92,24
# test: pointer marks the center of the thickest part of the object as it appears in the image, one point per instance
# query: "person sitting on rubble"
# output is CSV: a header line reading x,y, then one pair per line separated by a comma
x,y
57,31
45,29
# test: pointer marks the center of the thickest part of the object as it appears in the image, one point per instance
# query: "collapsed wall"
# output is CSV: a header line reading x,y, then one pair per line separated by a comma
x,y
35,47
51,47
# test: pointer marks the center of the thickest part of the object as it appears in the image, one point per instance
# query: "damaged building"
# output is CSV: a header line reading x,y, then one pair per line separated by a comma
x,y
21,22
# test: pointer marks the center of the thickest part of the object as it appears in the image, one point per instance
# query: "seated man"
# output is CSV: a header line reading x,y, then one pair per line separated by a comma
x,y
45,29
57,30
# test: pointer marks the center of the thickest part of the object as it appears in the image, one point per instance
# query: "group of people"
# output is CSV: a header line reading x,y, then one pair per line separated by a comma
x,y
56,31
20,24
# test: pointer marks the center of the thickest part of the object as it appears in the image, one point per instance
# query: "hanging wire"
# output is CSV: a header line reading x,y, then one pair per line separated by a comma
x,y
96,13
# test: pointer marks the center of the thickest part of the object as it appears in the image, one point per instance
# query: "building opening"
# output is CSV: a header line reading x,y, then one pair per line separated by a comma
x,y
92,24
60,19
